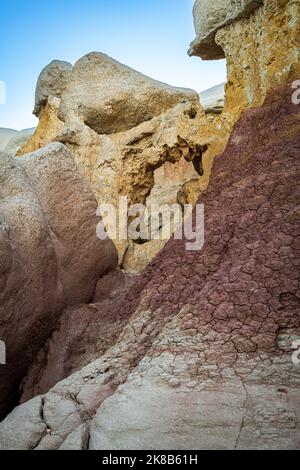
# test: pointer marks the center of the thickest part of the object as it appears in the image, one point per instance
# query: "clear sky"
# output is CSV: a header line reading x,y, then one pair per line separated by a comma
x,y
151,36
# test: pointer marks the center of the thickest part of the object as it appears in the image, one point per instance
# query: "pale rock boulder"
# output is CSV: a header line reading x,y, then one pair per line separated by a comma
x,y
210,17
33,427
212,100
110,97
50,254
52,82
18,140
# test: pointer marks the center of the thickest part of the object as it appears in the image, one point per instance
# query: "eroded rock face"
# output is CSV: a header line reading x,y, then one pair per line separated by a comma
x,y
261,50
81,334
50,254
52,81
260,41
206,354
123,127
210,17
110,97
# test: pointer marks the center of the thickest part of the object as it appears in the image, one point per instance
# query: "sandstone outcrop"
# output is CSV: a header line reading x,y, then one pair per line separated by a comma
x,y
52,81
50,254
210,17
110,97
260,41
95,122
262,52
205,356
125,130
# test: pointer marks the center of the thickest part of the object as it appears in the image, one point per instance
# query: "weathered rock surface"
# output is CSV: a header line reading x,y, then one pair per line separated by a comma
x,y
122,127
48,128
52,81
262,51
82,333
11,140
212,100
202,358
50,254
110,97
260,41
210,17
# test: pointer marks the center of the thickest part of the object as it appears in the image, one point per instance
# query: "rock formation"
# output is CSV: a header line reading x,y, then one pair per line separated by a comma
x,y
205,355
198,347
260,41
210,17
125,131
11,140
52,81
262,52
50,254
212,100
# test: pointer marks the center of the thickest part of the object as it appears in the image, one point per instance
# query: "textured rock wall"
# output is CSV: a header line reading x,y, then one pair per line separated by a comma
x,y
49,251
210,17
205,356
122,127
124,133
262,51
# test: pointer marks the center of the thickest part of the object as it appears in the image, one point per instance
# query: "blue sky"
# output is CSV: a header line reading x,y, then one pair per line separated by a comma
x,y
151,36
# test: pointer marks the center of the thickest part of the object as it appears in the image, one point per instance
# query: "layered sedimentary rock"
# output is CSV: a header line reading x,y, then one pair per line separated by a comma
x,y
50,254
205,356
125,130
260,41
